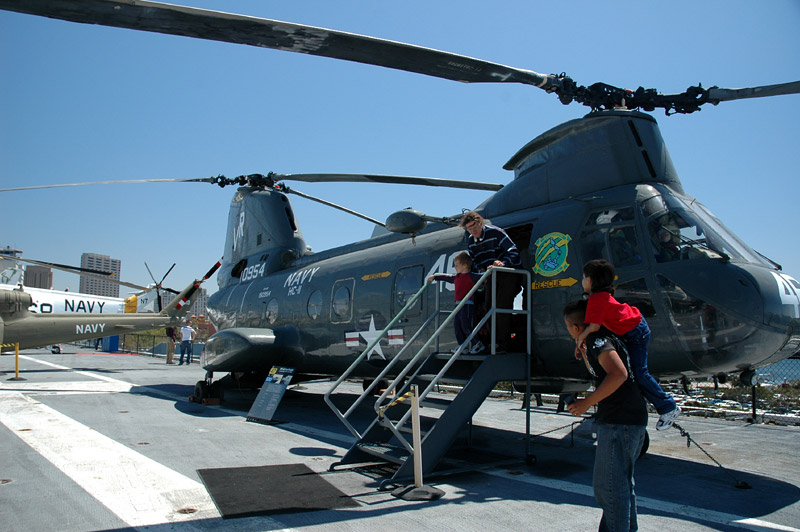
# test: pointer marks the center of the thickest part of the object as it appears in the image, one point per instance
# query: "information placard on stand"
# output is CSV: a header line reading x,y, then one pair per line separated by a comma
x,y
269,397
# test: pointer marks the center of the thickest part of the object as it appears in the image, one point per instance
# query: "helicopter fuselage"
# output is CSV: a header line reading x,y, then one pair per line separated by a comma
x,y
599,187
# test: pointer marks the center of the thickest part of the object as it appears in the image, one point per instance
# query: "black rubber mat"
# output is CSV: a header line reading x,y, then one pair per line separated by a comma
x,y
264,490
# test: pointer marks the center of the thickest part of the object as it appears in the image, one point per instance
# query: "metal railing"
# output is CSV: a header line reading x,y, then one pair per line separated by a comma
x,y
423,352
383,400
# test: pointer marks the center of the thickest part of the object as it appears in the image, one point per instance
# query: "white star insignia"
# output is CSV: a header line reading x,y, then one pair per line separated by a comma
x,y
369,336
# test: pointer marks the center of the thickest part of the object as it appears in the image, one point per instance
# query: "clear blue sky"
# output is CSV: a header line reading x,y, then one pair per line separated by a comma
x,y
85,103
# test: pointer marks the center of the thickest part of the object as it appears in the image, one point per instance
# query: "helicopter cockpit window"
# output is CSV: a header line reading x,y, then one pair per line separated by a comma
x,y
688,231
613,237
678,235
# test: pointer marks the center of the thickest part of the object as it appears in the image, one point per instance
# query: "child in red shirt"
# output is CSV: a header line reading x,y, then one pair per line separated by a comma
x,y
463,280
629,324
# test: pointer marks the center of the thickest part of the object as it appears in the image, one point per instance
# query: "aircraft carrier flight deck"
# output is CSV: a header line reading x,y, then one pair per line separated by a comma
x,y
97,441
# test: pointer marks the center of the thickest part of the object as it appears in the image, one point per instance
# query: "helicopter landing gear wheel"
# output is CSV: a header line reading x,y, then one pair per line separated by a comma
x,y
749,378
201,391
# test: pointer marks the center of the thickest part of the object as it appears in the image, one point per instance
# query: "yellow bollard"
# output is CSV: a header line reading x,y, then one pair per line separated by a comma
x,y
16,362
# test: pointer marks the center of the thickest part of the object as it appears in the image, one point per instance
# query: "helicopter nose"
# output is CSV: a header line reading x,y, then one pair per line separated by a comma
x,y
732,317
780,293
782,301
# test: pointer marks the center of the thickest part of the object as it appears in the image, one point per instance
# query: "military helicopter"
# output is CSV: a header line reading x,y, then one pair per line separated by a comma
x,y
600,186
23,326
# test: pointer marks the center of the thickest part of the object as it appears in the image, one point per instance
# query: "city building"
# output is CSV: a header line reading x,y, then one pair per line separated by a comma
x,y
103,263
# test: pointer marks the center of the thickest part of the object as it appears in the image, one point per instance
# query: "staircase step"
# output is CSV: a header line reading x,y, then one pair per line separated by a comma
x,y
462,357
444,380
435,402
408,429
389,453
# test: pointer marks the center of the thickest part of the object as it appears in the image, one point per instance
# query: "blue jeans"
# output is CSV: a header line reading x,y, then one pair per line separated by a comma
x,y
618,447
463,324
636,341
186,347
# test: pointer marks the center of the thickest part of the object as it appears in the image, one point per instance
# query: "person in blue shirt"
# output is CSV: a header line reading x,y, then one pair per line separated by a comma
x,y
491,247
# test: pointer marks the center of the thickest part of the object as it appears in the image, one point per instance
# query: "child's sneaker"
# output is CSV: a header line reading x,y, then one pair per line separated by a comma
x,y
478,348
665,421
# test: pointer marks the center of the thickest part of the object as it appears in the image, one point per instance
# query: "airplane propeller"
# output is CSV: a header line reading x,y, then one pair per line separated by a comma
x,y
300,38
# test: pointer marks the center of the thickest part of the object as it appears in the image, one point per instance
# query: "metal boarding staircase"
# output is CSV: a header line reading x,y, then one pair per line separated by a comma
x,y
386,439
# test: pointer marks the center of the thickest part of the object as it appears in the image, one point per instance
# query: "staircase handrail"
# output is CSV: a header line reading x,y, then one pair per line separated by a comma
x,y
459,351
363,355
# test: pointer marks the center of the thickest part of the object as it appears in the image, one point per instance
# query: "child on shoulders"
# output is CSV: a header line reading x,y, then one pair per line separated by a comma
x,y
629,324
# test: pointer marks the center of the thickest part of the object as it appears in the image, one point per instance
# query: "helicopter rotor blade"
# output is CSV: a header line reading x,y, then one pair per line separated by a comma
x,y
120,182
261,180
86,272
716,95
158,292
374,178
159,284
162,281
165,275
265,33
330,204
65,267
151,273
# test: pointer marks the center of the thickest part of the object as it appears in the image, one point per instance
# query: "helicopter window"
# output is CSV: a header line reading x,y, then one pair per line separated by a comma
x,y
239,268
736,246
610,216
678,235
341,302
636,294
407,282
272,311
623,247
617,244
689,231
703,327
315,304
